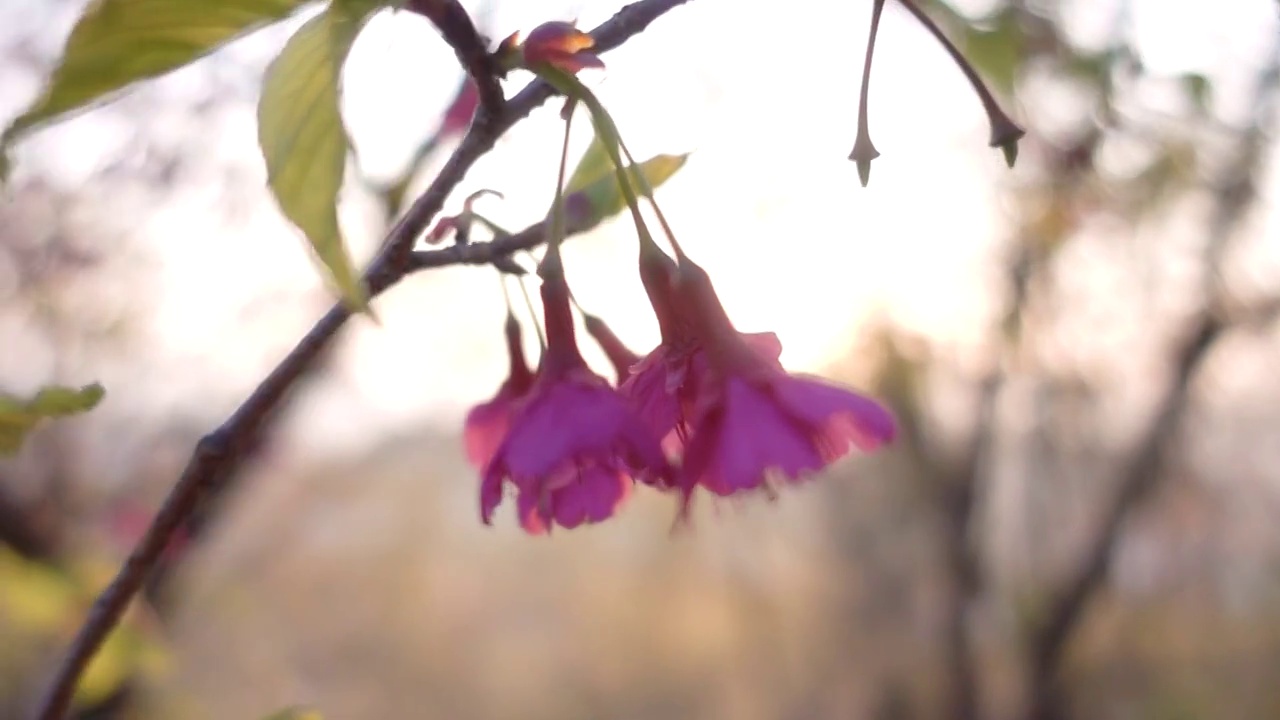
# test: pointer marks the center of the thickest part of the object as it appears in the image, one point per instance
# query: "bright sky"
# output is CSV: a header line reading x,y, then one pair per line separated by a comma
x,y
768,202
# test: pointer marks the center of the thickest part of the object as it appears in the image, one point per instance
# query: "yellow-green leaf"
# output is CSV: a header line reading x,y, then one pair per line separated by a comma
x,y
125,651
997,52
303,140
604,196
34,595
595,164
118,42
18,417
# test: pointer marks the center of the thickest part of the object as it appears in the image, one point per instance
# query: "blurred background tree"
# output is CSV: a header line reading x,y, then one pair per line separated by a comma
x,y
1078,522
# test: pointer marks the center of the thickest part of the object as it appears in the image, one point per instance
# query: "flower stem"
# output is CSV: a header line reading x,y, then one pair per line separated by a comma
x,y
533,313
647,190
493,227
864,151
1005,133
506,294
605,127
557,231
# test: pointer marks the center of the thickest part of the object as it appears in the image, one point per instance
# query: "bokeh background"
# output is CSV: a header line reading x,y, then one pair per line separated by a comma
x,y
1081,518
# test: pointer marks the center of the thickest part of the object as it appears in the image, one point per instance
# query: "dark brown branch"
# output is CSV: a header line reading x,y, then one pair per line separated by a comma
x,y
486,253
218,454
1138,480
1142,475
455,25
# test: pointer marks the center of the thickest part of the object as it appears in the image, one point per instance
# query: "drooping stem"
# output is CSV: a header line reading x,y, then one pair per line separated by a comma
x,y
493,227
1005,133
506,294
864,151
572,87
533,313
647,190
556,233
511,313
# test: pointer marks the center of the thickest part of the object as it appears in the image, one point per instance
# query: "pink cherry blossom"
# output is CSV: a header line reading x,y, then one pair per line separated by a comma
x,y
572,441
585,492
487,423
620,356
754,420
665,385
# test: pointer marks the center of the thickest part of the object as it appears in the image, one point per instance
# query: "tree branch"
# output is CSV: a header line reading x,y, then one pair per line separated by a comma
x,y
1138,480
1142,474
218,454
455,25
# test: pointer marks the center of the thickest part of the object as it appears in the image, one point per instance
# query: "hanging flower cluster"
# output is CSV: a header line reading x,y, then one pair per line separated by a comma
x,y
708,408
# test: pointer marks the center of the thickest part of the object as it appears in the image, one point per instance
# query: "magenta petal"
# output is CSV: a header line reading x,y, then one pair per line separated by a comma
x,y
534,517
574,495
565,451
484,429
766,345
646,389
841,416
566,420
593,496
757,437
700,453
491,491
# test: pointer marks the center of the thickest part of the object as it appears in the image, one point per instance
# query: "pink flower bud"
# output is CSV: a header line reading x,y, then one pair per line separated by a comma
x,y
560,45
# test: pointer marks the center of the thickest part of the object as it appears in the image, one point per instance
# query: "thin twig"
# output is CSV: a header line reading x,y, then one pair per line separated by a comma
x,y
455,25
218,454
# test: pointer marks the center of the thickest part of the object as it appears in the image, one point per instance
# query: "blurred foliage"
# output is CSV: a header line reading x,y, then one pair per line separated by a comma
x,y
996,52
295,713
117,43
43,605
19,417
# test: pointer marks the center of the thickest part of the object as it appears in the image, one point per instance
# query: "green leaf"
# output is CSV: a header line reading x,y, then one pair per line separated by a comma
x,y
593,165
997,53
125,652
118,42
47,601
18,417
37,596
303,140
604,195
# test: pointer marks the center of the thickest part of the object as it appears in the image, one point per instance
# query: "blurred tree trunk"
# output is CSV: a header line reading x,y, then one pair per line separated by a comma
x,y
1234,194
